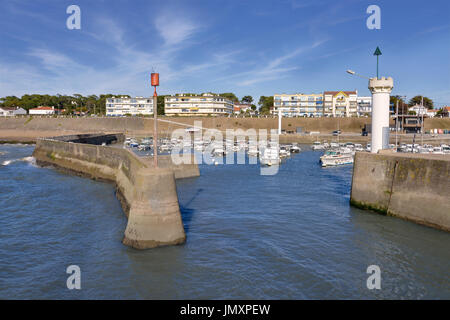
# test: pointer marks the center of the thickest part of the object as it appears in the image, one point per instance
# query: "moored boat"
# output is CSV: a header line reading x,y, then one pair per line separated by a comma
x,y
333,158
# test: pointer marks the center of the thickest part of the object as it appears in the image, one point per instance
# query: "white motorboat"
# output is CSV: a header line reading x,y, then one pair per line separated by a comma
x,y
334,145
143,147
295,148
253,151
333,158
217,149
445,149
317,146
284,152
165,147
270,156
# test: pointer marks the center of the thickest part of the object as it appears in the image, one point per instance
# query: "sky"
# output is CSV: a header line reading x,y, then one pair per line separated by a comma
x,y
246,47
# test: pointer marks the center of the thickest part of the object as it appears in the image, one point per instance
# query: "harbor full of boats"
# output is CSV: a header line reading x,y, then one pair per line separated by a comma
x,y
270,153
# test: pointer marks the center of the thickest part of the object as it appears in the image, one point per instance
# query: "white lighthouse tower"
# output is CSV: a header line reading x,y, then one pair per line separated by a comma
x,y
381,91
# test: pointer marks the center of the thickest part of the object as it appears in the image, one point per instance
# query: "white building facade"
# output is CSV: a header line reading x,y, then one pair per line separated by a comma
x,y
298,105
421,110
42,111
197,105
340,103
117,107
242,108
12,111
364,106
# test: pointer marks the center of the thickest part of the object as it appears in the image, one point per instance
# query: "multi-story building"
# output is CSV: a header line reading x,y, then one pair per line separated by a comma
x,y
364,106
197,105
116,107
340,103
298,105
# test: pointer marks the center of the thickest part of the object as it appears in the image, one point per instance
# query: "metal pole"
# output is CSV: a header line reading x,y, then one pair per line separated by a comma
x,y
279,120
155,129
396,127
421,125
377,68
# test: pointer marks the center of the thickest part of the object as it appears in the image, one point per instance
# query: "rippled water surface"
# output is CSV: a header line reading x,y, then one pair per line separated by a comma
x,y
288,236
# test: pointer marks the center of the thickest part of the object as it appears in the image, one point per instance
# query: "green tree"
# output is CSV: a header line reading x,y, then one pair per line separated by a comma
x,y
161,104
247,99
229,95
402,106
91,104
427,102
265,103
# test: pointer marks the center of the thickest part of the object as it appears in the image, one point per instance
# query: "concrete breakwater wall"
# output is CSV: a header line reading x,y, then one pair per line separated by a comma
x,y
147,194
409,186
138,124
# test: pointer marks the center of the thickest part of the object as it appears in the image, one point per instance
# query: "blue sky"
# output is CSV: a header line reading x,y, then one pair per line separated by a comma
x,y
246,47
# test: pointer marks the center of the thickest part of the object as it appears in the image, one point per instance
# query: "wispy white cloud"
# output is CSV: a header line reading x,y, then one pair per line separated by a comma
x,y
175,28
433,29
301,4
272,69
57,71
51,60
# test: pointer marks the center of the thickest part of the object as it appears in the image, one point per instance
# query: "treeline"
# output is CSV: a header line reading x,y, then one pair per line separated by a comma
x,y
92,104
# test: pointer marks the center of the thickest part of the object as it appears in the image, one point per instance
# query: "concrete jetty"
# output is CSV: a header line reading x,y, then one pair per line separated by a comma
x,y
410,186
148,195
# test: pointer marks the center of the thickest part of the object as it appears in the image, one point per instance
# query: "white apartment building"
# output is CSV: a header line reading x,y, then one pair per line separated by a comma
x,y
197,105
116,107
340,103
298,105
364,106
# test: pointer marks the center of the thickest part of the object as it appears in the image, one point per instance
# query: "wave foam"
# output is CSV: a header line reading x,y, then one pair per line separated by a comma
x,y
30,160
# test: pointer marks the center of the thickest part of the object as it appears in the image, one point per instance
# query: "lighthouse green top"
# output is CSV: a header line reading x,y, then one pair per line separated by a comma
x,y
377,53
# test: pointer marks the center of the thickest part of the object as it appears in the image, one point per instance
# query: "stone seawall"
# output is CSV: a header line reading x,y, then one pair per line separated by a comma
x,y
410,186
147,194
145,125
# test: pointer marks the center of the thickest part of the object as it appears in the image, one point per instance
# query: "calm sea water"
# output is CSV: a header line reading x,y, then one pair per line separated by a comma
x,y
288,236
